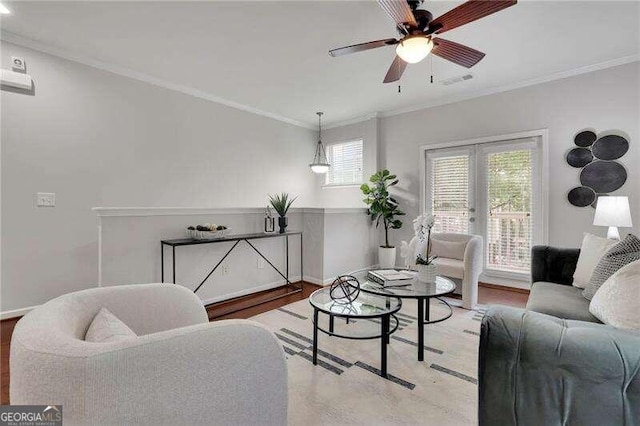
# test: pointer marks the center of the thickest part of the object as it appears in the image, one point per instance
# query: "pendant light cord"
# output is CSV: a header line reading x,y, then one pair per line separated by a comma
x,y
319,126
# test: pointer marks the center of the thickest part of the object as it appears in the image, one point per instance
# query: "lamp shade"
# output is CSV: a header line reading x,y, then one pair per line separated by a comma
x,y
613,211
413,49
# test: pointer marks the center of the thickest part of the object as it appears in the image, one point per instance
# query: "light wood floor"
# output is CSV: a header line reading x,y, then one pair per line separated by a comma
x,y
239,308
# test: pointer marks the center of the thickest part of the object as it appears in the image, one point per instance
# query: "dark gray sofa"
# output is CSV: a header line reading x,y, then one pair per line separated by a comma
x,y
554,363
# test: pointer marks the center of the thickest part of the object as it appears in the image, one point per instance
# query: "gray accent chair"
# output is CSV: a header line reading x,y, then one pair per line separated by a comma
x,y
553,363
181,369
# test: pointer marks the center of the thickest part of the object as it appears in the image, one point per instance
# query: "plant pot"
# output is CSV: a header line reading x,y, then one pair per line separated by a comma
x,y
427,273
386,257
282,223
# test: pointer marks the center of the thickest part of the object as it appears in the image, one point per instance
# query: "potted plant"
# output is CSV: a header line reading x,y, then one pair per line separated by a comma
x,y
383,209
281,204
425,265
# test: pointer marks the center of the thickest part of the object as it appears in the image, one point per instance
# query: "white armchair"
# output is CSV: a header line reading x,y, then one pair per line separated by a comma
x,y
460,257
180,370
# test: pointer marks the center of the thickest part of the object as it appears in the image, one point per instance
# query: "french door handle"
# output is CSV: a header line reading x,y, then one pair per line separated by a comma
x,y
472,210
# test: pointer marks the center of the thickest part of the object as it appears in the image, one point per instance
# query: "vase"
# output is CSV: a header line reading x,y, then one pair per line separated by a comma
x,y
386,257
269,224
427,273
282,223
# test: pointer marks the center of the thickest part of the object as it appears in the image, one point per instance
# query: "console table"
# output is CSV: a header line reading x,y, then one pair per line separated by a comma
x,y
236,239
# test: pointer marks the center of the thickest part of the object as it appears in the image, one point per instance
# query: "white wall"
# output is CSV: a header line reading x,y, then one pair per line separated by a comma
x,y
603,100
350,242
98,139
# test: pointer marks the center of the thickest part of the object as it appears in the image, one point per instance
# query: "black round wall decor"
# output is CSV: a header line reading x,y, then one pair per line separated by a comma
x,y
599,174
603,176
579,157
610,147
585,138
581,196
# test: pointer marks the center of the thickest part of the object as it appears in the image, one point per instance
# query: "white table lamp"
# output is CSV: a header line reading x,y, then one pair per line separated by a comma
x,y
613,212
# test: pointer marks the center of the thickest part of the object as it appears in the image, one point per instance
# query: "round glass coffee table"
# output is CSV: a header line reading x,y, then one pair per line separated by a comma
x,y
365,306
412,289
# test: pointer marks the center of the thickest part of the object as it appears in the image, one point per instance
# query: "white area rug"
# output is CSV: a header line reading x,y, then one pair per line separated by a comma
x,y
344,388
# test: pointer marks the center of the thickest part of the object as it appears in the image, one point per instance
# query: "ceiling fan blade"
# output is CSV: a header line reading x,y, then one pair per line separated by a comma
x,y
467,12
456,52
395,70
399,11
362,47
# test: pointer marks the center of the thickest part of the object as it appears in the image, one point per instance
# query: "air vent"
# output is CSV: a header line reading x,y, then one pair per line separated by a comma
x,y
458,79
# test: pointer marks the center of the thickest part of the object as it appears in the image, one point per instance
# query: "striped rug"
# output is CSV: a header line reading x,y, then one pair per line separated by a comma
x,y
345,388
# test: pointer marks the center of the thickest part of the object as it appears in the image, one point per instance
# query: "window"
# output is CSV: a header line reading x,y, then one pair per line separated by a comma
x,y
346,163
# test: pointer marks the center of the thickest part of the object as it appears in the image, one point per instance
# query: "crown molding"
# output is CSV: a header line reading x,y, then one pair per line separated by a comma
x,y
350,121
145,78
513,86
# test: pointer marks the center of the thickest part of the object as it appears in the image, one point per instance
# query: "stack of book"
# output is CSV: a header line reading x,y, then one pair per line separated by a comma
x,y
391,277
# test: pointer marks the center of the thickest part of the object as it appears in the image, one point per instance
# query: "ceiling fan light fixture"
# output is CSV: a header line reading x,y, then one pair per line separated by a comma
x,y
413,49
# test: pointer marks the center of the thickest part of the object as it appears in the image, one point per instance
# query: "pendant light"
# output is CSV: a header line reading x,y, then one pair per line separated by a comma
x,y
320,164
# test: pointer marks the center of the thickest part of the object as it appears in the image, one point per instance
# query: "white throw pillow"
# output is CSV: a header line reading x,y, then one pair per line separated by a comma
x,y
448,249
617,301
591,251
106,327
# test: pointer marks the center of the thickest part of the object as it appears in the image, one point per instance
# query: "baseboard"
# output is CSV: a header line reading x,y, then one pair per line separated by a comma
x,y
251,290
16,312
504,287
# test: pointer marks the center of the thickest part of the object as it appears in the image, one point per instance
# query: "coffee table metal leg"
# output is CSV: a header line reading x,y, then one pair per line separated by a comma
x,y
421,305
315,337
427,309
383,345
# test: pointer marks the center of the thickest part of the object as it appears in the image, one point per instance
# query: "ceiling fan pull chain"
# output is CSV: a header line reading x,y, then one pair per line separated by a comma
x,y
431,65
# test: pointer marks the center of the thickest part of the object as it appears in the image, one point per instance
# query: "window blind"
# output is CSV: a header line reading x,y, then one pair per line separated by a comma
x,y
450,196
346,163
509,180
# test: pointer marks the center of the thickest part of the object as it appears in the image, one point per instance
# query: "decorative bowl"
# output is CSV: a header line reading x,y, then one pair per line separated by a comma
x,y
207,235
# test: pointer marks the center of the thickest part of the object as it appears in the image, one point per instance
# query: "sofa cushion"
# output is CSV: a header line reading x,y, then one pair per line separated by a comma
x,y
562,301
623,253
591,251
448,249
452,268
617,301
106,328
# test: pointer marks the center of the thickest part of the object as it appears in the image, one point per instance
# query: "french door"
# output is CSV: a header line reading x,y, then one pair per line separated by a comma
x,y
493,190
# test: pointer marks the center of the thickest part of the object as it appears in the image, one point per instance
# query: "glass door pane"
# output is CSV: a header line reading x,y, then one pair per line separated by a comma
x,y
450,190
509,212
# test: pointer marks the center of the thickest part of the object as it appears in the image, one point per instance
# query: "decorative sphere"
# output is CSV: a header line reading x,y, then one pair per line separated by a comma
x,y
345,289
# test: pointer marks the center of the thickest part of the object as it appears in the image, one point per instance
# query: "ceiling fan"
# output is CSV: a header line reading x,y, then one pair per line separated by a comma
x,y
418,29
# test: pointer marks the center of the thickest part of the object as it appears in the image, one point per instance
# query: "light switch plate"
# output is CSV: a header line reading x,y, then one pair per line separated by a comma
x,y
46,199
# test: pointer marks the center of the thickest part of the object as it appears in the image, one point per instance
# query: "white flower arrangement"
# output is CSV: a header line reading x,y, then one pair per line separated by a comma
x,y
422,228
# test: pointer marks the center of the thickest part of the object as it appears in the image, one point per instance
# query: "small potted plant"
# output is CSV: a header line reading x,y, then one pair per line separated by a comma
x,y
281,204
383,209
424,263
